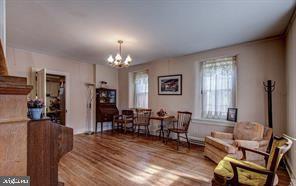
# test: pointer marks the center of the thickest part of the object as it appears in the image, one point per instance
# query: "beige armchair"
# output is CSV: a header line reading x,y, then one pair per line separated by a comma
x,y
245,134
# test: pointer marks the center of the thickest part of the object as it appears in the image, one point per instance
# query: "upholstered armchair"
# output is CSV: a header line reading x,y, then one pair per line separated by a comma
x,y
231,171
245,134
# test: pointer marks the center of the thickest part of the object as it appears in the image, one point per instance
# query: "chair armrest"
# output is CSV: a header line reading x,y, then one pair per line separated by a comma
x,y
116,116
222,135
128,117
244,149
263,143
247,143
235,167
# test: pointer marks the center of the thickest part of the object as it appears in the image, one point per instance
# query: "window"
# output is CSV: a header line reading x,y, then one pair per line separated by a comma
x,y
218,87
140,89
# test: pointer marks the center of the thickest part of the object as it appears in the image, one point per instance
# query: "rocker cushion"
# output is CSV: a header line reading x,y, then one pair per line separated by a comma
x,y
224,169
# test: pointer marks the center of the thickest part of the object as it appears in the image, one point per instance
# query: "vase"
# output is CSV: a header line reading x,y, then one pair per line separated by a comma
x,y
36,113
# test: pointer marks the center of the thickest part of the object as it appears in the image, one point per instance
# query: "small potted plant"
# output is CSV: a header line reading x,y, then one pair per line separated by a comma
x,y
161,113
35,107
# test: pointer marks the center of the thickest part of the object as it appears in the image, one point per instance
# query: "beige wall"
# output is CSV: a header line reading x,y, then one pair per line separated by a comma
x,y
110,75
257,62
291,92
3,24
20,63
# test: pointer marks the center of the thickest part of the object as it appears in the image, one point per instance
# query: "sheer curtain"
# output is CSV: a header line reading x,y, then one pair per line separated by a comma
x,y
141,89
218,87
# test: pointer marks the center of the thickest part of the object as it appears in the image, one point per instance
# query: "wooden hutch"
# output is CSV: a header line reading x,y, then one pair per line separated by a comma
x,y
105,106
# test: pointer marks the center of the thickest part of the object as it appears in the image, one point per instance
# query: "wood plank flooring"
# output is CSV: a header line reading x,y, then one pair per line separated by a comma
x,y
126,159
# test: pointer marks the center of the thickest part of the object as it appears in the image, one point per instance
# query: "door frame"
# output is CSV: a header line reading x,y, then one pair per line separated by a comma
x,y
67,80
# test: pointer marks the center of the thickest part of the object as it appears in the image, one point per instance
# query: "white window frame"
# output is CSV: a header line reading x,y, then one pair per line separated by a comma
x,y
202,118
131,87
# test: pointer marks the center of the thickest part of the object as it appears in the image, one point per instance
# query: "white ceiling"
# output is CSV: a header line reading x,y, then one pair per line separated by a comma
x,y
87,30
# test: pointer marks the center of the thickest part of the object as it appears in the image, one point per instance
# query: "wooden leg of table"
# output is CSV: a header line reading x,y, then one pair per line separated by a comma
x,y
112,125
159,136
178,142
96,127
148,131
101,127
168,137
161,128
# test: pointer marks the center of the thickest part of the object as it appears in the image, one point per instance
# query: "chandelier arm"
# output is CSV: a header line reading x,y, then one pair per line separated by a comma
x,y
120,49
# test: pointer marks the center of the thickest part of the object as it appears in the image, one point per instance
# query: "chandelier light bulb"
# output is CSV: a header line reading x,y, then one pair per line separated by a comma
x,y
126,62
118,57
110,59
128,58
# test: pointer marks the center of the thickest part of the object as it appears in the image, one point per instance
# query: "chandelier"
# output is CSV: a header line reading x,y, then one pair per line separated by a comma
x,y
118,61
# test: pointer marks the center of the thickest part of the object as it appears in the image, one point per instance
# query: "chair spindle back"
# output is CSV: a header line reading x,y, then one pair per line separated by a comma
x,y
143,116
184,119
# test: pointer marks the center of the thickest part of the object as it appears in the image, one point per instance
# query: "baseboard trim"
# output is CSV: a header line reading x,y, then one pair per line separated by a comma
x,y
79,131
290,172
197,140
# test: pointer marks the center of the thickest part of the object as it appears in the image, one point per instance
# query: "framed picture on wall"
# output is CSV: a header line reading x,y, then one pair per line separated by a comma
x,y
232,114
170,85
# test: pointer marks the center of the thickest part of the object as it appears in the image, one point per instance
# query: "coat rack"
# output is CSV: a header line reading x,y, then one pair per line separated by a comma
x,y
90,98
269,87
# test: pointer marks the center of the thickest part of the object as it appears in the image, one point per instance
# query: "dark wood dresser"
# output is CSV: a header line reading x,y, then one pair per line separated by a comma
x,y
105,106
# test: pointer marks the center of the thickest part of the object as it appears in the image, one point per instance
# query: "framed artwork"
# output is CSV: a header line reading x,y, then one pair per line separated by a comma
x,y
170,85
232,114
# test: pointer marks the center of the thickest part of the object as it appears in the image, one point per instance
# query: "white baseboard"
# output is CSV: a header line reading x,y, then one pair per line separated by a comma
x,y
290,172
106,126
79,131
197,140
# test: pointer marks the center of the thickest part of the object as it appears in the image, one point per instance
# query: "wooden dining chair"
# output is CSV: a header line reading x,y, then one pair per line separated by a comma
x,y
142,119
124,120
180,126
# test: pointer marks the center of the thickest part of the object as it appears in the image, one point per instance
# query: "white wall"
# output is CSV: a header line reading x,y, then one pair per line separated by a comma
x,y
291,92
21,61
3,24
110,75
257,62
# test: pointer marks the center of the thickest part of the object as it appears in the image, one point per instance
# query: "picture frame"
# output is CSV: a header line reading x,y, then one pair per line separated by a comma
x,y
170,85
232,114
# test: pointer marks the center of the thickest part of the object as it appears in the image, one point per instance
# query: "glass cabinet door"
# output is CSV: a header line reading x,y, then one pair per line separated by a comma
x,y
112,96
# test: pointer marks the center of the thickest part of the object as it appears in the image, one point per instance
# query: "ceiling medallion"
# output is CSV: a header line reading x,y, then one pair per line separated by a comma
x,y
118,61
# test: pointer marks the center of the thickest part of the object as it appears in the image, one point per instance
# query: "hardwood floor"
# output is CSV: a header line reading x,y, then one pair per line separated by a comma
x,y
126,159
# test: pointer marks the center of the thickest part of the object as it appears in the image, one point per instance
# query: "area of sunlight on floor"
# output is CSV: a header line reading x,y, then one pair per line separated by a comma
x,y
142,177
168,176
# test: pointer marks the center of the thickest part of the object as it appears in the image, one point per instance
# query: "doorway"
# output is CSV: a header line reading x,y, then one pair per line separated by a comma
x,y
52,87
56,98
